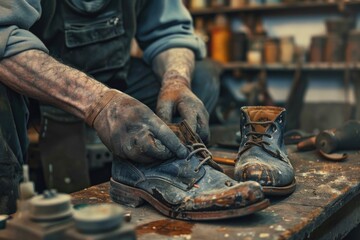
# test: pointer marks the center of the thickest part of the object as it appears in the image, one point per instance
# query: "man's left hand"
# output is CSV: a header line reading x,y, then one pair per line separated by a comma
x,y
176,97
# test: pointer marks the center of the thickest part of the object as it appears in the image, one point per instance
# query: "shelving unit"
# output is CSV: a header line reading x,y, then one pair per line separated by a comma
x,y
300,74
314,6
287,9
292,66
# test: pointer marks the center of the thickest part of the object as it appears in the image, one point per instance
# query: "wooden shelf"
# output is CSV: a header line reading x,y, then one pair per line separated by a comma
x,y
272,8
291,67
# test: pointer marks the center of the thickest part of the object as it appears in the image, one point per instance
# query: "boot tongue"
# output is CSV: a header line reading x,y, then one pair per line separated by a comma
x,y
184,133
262,115
188,137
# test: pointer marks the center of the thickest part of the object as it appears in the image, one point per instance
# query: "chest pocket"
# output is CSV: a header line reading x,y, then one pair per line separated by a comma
x,y
96,45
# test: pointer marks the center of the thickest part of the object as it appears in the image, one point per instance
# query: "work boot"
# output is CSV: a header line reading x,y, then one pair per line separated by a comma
x,y
262,155
194,188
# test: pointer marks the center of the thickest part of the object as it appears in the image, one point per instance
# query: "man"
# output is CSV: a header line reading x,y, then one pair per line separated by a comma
x,y
95,37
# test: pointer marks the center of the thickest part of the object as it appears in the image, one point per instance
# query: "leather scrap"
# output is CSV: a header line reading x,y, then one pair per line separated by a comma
x,y
336,157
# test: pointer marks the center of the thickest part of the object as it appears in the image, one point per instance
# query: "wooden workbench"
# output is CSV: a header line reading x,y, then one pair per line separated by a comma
x,y
325,205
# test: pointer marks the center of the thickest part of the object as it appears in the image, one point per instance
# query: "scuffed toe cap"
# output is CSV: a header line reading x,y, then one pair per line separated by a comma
x,y
277,174
239,195
253,171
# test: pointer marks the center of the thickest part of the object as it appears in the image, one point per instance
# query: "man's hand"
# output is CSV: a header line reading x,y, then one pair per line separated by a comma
x,y
132,131
127,127
176,96
175,67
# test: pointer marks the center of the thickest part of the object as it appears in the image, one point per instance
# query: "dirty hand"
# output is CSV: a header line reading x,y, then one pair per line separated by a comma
x,y
132,131
176,96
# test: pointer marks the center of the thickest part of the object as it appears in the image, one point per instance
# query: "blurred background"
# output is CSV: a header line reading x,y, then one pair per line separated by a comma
x,y
299,54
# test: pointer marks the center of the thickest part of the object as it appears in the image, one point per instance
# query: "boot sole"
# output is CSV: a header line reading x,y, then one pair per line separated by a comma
x,y
134,197
279,191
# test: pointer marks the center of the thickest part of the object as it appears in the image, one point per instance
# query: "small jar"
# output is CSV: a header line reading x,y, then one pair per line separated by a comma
x,y
198,4
217,3
220,40
237,3
271,51
272,2
287,50
352,53
256,2
255,52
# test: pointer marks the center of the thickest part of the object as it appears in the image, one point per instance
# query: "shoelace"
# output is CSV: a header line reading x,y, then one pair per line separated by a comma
x,y
196,148
199,147
256,139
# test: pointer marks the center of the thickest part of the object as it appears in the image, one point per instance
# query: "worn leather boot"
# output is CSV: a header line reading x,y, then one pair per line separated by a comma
x,y
193,188
262,155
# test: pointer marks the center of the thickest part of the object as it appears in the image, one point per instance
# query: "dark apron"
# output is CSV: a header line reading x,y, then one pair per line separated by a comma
x,y
94,42
97,42
13,145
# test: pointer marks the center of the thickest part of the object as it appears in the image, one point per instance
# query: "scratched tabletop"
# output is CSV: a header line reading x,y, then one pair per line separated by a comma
x,y
325,205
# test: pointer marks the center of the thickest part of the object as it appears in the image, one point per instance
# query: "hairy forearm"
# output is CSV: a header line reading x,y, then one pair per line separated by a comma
x,y
34,73
175,62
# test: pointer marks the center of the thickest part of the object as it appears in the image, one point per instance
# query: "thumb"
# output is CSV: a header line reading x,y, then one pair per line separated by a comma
x,y
170,140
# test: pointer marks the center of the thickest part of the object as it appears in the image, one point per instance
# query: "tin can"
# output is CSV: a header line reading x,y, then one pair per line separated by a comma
x,y
287,50
197,4
340,26
217,3
238,46
272,2
238,3
317,49
256,2
334,48
352,53
271,50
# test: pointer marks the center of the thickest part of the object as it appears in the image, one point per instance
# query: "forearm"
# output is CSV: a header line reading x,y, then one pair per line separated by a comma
x,y
36,74
176,62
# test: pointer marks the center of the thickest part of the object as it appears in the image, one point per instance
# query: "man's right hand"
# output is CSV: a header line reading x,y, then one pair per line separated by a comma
x,y
132,131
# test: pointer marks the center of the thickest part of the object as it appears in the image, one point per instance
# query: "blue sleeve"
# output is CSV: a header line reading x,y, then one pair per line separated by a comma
x,y
164,24
15,19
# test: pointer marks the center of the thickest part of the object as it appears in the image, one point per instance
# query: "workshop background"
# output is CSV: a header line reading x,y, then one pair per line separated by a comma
x,y
303,55
300,54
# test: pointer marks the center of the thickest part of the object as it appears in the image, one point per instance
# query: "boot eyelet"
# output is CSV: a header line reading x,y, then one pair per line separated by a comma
x,y
196,170
187,159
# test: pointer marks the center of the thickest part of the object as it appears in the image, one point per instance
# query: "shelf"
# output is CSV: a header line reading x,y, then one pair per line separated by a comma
x,y
272,8
291,67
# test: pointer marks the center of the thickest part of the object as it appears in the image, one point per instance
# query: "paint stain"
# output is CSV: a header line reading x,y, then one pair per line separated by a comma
x,y
166,227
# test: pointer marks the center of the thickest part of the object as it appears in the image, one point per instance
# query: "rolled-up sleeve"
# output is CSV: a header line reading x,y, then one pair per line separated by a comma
x,y
165,24
16,17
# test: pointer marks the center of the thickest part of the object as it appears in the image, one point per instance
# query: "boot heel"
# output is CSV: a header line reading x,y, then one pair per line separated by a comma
x,y
123,194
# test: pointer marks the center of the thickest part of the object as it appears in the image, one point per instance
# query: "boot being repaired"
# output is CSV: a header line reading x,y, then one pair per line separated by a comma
x,y
193,188
262,155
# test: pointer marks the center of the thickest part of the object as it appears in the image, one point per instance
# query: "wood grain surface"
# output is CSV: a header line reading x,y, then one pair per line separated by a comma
x,y
325,205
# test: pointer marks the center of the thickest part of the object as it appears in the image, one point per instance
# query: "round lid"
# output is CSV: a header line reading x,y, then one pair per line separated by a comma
x,y
98,217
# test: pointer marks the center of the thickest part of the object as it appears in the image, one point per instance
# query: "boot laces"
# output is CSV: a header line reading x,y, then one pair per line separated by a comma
x,y
196,148
257,139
